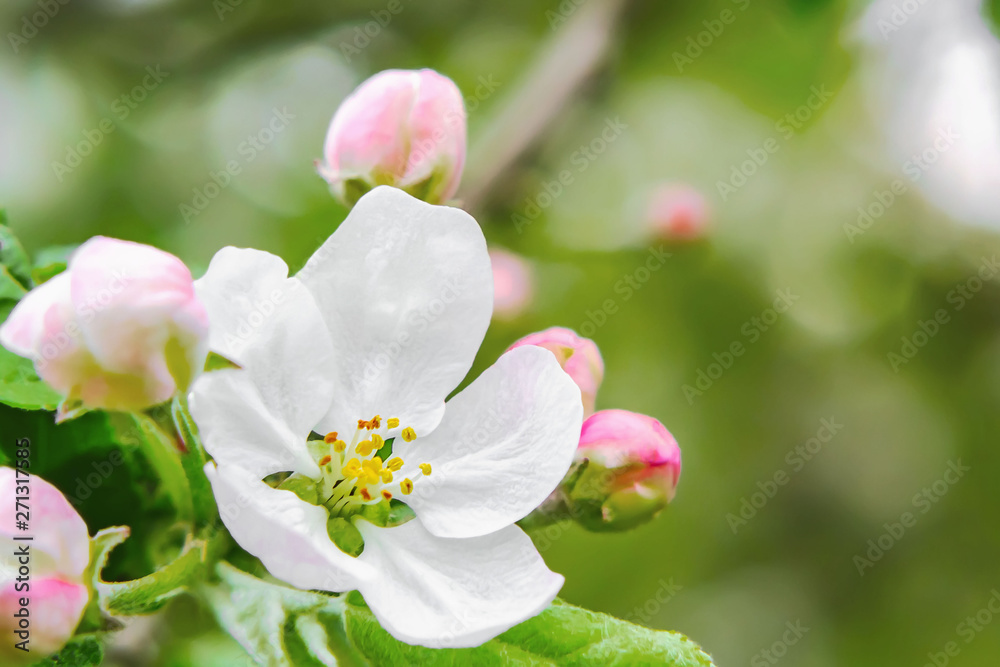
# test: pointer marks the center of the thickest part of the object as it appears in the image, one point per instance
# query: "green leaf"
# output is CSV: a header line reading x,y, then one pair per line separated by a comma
x,y
162,453
13,256
20,386
50,262
217,362
81,651
260,615
146,594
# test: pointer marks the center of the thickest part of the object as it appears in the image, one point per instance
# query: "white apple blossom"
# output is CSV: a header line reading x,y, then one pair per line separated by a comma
x,y
362,346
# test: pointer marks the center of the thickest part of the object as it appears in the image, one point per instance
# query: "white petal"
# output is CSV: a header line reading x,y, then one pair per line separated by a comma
x,y
406,291
239,429
286,533
505,443
453,593
269,324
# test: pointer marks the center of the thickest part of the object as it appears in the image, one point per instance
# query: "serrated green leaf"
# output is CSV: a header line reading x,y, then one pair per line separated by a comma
x,y
258,614
81,651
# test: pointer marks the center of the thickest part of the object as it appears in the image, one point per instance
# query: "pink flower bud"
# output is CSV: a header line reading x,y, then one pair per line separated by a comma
x,y
513,284
579,357
120,329
677,212
404,128
642,454
57,559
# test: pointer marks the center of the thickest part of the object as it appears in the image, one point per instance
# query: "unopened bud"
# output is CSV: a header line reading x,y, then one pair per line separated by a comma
x,y
404,128
578,356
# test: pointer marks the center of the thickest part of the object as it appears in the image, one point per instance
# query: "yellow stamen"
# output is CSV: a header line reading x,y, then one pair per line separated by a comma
x,y
409,435
326,459
392,423
330,437
377,441
406,486
365,447
351,469
394,464
386,495
386,476
425,468
339,445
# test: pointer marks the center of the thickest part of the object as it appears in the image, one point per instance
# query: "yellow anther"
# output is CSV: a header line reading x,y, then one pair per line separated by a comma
x,y
394,464
372,470
406,486
365,493
386,495
365,447
386,476
425,468
409,434
326,459
351,469
377,441
392,423
339,445
330,437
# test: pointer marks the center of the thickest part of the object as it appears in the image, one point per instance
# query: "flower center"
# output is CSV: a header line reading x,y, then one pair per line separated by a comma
x,y
364,471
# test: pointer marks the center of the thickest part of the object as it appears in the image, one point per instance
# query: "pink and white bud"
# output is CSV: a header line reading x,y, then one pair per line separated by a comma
x,y
120,329
640,451
677,212
56,594
404,128
513,284
578,356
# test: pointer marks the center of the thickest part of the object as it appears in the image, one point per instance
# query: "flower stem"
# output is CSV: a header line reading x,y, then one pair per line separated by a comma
x,y
205,510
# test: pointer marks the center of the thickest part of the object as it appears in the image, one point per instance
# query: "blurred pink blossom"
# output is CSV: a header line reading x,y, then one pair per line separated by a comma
x,y
677,212
513,284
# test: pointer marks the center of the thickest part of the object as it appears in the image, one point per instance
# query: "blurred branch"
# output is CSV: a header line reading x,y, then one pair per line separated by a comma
x,y
572,55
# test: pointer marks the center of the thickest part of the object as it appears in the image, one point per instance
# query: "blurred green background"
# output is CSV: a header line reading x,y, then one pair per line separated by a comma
x,y
732,585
